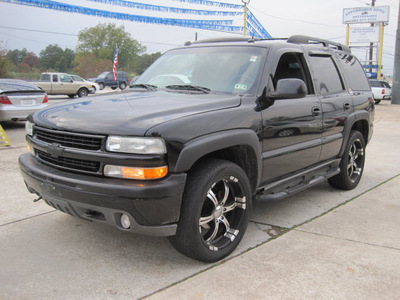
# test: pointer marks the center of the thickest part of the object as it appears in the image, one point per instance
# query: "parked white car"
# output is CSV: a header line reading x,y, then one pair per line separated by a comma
x,y
381,90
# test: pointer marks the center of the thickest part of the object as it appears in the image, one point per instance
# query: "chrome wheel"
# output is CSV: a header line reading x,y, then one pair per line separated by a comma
x,y
352,163
355,160
222,212
215,211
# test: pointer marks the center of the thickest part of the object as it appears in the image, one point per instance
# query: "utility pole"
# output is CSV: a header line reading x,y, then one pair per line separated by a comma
x,y
396,73
245,2
371,45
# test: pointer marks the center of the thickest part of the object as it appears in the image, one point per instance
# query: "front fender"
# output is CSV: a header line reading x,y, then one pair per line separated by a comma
x,y
199,147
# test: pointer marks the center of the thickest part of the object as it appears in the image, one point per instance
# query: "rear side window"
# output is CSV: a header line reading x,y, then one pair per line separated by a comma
x,y
327,75
354,72
55,78
45,77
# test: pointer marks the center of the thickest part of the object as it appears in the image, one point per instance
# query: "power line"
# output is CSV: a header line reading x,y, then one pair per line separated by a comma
x,y
295,20
41,31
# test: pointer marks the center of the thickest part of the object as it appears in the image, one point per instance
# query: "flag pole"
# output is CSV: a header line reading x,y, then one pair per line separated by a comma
x,y
115,64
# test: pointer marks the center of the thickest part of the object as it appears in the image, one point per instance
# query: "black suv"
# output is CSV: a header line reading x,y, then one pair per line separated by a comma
x,y
207,129
107,79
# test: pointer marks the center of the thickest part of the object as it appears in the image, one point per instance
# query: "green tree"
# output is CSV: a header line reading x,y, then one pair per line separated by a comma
x,y
53,57
4,65
15,56
101,40
89,66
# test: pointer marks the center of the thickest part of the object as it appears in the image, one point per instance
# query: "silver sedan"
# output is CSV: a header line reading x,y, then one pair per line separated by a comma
x,y
18,99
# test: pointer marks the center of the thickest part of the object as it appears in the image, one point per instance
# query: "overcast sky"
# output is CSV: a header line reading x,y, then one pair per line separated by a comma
x,y
35,28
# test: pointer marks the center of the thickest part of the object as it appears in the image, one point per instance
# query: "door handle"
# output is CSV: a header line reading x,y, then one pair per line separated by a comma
x,y
346,106
316,111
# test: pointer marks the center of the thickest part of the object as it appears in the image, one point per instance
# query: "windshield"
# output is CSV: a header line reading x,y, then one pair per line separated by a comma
x,y
231,69
76,78
103,75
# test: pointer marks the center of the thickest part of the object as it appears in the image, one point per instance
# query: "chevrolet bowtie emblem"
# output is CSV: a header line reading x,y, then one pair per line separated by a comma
x,y
55,150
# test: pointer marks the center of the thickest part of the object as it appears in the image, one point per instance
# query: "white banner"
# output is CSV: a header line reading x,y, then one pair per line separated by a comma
x,y
366,14
364,34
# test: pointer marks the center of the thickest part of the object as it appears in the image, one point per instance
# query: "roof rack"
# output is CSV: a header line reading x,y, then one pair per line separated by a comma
x,y
219,40
303,39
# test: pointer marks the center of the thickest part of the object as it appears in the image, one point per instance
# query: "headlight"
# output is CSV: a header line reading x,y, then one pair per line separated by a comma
x,y
136,145
29,128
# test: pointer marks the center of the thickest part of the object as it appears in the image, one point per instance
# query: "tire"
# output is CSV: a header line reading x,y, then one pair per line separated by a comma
x,y
377,101
215,211
101,86
71,96
83,92
113,87
352,163
122,85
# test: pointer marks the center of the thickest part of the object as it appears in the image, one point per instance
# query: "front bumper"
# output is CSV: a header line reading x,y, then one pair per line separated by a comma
x,y
153,207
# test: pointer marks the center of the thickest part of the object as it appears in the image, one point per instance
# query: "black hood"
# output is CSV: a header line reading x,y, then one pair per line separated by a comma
x,y
131,113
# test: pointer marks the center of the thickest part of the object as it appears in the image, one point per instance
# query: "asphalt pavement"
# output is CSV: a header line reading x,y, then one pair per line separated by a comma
x,y
319,244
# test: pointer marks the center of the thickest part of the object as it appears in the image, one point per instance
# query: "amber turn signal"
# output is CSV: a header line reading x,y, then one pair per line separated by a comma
x,y
135,173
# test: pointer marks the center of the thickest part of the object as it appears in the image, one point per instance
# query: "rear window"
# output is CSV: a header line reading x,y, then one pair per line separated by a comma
x,y
355,73
376,83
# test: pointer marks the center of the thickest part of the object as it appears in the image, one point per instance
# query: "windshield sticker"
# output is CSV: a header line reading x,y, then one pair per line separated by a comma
x,y
239,86
253,58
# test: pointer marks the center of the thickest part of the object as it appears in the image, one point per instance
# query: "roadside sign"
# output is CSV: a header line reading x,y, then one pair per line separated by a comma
x,y
364,34
372,14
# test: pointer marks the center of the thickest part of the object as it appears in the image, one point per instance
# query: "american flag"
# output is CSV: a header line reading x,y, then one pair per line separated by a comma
x,y
115,63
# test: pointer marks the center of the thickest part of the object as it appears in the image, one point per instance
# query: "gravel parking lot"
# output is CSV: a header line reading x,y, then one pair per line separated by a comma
x,y
47,254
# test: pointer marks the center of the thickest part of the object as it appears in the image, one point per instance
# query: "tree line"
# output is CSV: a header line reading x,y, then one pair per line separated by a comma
x,y
93,55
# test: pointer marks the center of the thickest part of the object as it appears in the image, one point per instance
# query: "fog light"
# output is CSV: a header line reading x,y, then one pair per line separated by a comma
x,y
125,222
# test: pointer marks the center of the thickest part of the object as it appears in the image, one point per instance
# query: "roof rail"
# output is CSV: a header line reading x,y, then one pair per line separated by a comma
x,y
303,39
219,40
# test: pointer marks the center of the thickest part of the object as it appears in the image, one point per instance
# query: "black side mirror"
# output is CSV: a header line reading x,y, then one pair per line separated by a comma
x,y
289,88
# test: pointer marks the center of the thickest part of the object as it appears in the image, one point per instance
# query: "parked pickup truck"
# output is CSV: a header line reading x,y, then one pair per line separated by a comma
x,y
63,84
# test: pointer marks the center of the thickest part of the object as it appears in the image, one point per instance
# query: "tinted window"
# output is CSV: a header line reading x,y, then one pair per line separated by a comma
x,y
327,75
292,65
354,71
55,78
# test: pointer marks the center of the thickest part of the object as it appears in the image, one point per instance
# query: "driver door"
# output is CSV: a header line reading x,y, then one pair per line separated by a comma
x,y
291,127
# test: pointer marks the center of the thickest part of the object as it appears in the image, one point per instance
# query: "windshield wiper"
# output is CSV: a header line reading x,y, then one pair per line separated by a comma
x,y
146,86
188,87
